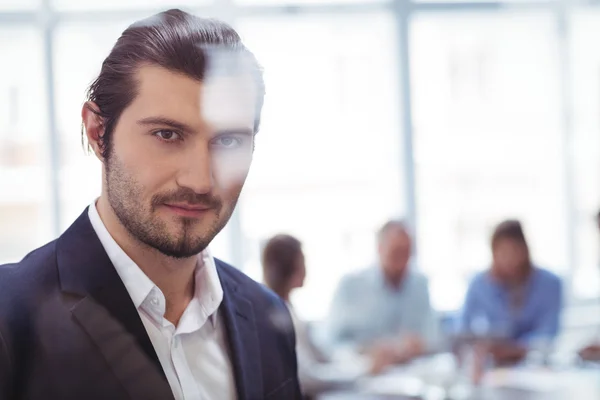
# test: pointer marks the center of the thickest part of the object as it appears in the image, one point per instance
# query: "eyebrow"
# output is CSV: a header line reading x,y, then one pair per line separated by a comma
x,y
165,122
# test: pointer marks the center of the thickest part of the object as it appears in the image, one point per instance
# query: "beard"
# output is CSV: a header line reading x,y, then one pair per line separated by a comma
x,y
189,238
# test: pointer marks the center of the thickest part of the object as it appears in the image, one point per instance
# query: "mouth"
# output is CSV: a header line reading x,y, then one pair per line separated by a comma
x,y
188,210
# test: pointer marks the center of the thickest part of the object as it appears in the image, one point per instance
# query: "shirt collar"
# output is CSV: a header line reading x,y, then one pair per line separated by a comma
x,y
208,293
500,288
382,282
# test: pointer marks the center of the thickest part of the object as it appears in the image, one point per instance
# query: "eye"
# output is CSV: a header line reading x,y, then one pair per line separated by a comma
x,y
167,135
227,142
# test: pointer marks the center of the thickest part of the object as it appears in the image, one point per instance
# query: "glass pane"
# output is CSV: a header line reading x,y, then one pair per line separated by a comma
x,y
129,4
18,5
25,201
586,149
487,142
326,164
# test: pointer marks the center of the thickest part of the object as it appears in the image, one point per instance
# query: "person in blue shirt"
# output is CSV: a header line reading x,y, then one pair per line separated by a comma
x,y
515,302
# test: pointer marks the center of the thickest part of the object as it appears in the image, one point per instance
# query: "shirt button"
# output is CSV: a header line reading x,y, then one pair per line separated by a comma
x,y
154,301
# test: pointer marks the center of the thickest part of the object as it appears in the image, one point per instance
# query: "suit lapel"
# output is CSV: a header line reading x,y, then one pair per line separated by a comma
x,y
242,338
107,313
128,361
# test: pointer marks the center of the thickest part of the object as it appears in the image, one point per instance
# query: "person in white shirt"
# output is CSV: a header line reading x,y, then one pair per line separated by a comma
x,y
385,310
284,271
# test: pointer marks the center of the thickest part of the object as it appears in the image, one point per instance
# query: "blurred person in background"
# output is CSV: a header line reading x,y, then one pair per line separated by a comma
x,y
284,271
384,311
591,352
129,303
514,303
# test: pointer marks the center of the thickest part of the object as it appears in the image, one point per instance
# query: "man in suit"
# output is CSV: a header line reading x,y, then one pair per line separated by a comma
x,y
128,303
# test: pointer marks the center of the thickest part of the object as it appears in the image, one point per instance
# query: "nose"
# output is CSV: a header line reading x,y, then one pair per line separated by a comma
x,y
196,172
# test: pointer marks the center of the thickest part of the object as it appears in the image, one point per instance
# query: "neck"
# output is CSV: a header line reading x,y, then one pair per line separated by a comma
x,y
515,281
285,295
395,280
174,277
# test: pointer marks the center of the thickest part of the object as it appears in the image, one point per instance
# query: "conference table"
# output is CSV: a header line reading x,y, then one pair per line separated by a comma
x,y
437,379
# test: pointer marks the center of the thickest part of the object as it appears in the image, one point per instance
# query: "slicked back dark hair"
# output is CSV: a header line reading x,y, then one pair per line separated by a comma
x,y
177,41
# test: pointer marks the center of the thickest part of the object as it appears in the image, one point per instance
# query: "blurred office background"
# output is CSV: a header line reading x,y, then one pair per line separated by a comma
x,y
454,114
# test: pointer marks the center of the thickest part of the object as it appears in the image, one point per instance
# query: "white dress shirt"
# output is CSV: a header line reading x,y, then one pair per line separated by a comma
x,y
194,353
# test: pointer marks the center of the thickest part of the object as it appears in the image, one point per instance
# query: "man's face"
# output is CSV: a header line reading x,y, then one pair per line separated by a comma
x,y
394,252
179,156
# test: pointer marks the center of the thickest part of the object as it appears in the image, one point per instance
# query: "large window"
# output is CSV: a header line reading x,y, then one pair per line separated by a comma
x,y
487,141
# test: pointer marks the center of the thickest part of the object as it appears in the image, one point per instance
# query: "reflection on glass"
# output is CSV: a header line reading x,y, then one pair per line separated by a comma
x,y
25,218
80,49
326,164
487,140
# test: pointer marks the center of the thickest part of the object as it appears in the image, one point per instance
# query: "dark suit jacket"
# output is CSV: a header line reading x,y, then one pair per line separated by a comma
x,y
69,330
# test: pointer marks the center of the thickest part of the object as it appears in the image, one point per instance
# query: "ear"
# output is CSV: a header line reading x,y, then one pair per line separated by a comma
x,y
94,127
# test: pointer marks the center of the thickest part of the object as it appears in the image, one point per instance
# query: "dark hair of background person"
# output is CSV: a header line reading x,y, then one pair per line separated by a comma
x,y
513,230
280,261
509,229
175,40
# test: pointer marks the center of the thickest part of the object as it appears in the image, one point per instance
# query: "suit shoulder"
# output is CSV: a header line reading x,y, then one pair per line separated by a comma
x,y
22,277
39,257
